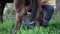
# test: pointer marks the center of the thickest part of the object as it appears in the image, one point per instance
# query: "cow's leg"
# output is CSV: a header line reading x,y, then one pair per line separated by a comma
x,y
39,14
32,17
34,10
20,12
2,5
19,5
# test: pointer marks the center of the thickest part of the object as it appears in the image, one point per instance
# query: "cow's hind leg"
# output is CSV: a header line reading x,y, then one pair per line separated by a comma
x,y
39,14
20,12
2,5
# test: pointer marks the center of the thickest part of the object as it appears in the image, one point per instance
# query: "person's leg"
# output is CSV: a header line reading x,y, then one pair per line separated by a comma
x,y
27,22
33,11
48,10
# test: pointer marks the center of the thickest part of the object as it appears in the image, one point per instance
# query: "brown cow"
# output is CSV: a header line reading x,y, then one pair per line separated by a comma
x,y
21,8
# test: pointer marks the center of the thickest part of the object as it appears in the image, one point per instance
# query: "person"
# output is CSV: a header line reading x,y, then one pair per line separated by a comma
x,y
48,10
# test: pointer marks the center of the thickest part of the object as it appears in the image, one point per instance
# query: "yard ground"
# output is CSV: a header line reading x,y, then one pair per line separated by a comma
x,y
53,28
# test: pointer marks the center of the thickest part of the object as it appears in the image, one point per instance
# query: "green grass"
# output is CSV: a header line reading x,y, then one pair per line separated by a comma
x,y
53,28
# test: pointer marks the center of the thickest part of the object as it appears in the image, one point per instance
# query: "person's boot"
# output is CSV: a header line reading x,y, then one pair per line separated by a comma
x,y
45,23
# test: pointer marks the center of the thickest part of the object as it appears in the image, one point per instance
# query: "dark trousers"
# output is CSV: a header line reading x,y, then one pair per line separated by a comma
x,y
48,10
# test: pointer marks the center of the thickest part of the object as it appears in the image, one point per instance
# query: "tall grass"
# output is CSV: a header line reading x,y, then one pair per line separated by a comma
x,y
53,28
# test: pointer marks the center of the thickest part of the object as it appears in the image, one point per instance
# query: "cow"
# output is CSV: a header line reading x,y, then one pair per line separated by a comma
x,y
21,7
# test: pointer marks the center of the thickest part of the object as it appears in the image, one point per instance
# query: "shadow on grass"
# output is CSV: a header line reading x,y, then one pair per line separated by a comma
x,y
55,24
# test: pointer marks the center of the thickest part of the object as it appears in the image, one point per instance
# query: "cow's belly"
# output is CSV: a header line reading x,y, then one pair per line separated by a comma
x,y
6,1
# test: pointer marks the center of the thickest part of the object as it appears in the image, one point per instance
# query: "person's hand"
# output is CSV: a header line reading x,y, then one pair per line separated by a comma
x,y
43,2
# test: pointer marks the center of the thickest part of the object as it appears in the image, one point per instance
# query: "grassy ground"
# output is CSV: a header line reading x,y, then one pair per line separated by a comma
x,y
53,28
